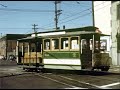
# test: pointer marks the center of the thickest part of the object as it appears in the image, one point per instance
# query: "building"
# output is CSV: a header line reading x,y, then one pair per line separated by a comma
x,y
102,20
102,16
115,17
8,44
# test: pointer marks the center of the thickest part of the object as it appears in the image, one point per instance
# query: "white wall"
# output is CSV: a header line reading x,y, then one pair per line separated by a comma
x,y
102,16
115,27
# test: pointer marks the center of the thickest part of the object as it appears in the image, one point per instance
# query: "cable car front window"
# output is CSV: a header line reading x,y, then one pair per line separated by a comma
x,y
103,45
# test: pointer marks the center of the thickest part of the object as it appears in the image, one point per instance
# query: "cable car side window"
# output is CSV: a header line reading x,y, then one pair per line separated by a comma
x,y
55,44
74,44
84,44
64,43
103,45
33,49
47,44
26,47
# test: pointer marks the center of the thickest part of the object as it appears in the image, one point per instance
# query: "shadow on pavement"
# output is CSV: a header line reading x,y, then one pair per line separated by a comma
x,y
79,72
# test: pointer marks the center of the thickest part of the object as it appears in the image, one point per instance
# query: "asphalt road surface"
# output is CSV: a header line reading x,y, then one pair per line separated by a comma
x,y
12,78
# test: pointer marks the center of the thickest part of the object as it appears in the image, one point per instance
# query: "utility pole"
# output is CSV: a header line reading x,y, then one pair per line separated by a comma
x,y
93,14
93,42
35,31
57,13
34,28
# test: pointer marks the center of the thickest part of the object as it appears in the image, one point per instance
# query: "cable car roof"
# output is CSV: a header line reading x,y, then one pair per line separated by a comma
x,y
66,32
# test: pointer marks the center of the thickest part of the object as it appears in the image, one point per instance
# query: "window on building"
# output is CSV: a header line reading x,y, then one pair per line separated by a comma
x,y
55,44
111,10
74,43
64,43
118,11
47,44
118,44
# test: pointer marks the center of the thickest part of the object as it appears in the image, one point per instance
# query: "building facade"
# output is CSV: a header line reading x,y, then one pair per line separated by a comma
x,y
102,20
102,16
115,17
8,44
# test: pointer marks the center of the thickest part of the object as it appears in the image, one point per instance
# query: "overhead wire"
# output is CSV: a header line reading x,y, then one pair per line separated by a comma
x,y
73,14
74,4
3,5
80,12
39,29
26,10
80,16
60,20
83,15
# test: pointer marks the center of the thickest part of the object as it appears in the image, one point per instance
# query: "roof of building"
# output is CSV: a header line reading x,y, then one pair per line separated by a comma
x,y
14,36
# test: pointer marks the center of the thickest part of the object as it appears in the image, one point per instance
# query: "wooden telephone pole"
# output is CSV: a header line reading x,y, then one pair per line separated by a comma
x,y
93,13
35,31
57,13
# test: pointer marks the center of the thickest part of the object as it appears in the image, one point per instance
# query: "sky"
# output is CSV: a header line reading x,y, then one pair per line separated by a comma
x,y
19,16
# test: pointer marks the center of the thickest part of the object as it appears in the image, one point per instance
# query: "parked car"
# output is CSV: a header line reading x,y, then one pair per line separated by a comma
x,y
12,57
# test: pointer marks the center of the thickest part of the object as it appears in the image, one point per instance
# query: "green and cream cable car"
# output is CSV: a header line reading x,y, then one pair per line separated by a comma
x,y
68,49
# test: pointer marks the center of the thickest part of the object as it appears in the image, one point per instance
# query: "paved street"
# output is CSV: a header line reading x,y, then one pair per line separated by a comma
x,y
13,77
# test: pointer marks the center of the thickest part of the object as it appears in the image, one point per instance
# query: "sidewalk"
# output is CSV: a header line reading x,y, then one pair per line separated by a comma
x,y
114,69
7,63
